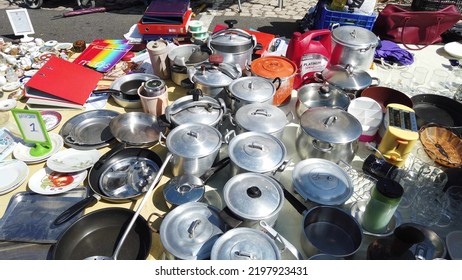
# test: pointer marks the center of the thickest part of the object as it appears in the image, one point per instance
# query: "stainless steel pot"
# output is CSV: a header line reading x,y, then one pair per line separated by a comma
x,y
189,231
235,45
194,147
320,95
213,77
256,152
328,133
261,117
353,45
189,108
347,78
184,56
251,198
247,90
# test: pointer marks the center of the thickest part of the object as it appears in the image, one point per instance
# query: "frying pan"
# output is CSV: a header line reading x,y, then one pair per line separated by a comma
x,y
107,162
98,233
438,109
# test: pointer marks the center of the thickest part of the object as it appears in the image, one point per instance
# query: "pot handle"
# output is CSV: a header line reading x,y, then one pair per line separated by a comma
x,y
281,240
162,138
215,168
230,218
75,209
283,166
228,136
291,118
278,81
377,80
160,216
318,77
325,150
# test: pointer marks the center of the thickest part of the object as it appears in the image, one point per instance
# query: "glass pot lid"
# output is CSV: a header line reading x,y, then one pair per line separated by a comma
x,y
192,140
253,196
257,151
189,230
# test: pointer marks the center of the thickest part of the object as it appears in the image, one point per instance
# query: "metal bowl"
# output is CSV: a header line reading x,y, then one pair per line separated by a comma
x,y
136,128
128,85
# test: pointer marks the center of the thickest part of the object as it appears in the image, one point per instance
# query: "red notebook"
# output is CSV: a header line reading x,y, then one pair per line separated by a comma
x,y
61,80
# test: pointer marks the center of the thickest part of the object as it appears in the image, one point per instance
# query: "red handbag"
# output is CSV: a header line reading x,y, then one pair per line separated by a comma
x,y
404,26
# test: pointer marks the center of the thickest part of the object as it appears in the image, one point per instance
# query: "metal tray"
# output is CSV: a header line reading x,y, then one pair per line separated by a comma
x,y
29,216
89,130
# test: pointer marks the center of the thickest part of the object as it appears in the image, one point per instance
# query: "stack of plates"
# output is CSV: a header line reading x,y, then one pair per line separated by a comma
x,y
22,151
13,173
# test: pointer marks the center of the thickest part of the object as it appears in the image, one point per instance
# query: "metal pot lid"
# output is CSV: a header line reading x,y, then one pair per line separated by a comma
x,y
273,67
355,36
253,89
215,75
206,110
330,125
183,189
322,181
189,231
346,77
260,117
253,196
245,244
257,151
322,95
193,140
232,40
187,55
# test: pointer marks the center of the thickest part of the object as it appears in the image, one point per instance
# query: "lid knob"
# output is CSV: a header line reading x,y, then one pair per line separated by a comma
x,y
231,22
216,59
254,192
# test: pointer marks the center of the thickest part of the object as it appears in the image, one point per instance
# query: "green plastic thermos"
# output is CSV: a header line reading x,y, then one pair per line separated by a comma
x,y
385,198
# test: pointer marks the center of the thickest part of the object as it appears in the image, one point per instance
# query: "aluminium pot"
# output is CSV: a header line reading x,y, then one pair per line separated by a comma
x,y
256,152
194,147
198,109
235,45
182,57
261,117
214,77
353,45
328,133
320,95
247,90
189,231
251,198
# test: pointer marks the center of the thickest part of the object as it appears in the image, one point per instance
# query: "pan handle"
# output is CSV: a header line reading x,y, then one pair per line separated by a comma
x,y
75,209
215,168
300,207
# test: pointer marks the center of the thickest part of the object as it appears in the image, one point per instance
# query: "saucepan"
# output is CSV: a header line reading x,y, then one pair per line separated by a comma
x,y
121,175
98,232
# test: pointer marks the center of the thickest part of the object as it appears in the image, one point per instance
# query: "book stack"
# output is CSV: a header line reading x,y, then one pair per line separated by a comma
x,y
165,19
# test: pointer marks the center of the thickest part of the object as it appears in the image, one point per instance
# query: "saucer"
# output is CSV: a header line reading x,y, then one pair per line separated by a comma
x,y
22,151
51,119
13,173
72,160
11,86
49,182
357,211
8,104
454,49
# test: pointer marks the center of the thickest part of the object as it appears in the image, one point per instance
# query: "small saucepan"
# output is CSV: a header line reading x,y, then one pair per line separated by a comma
x,y
121,175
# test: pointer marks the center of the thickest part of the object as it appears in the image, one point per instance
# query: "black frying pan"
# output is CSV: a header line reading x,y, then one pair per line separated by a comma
x,y
109,160
98,233
438,109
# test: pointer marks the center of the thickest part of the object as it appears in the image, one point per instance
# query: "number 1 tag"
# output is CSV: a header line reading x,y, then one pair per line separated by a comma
x,y
33,130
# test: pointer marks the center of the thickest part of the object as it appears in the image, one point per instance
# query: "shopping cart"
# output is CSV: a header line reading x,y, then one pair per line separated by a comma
x,y
36,4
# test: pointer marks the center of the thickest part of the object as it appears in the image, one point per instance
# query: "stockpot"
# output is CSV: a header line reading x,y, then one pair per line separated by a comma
x,y
184,56
256,152
252,89
189,231
251,198
194,147
260,117
328,133
353,45
198,109
235,45
213,77
320,95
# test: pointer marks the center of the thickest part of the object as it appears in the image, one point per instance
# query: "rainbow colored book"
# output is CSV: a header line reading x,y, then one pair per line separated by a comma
x,y
101,55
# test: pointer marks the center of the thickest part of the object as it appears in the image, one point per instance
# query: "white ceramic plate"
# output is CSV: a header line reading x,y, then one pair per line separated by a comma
x,y
51,119
72,160
7,104
51,43
11,86
22,151
13,173
49,182
63,46
454,49
7,143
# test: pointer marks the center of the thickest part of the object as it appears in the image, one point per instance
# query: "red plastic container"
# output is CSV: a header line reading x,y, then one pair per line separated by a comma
x,y
311,53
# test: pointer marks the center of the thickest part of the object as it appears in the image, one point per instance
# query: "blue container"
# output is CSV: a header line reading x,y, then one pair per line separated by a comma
x,y
326,18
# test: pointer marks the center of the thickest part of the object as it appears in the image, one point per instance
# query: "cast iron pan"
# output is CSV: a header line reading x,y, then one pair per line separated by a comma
x,y
98,232
107,160
438,109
